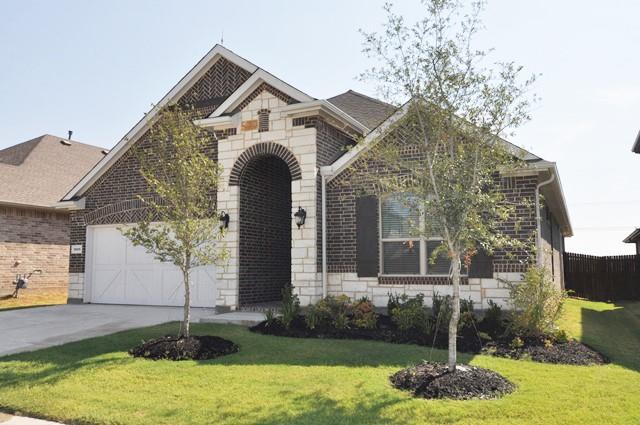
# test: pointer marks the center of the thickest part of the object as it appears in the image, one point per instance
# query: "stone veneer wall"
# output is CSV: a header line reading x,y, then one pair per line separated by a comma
x,y
34,239
301,143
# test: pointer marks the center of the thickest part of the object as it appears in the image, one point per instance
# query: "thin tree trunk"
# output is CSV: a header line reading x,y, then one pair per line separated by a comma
x,y
455,313
186,323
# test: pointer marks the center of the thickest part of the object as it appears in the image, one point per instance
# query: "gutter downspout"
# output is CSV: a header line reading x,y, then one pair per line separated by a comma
x,y
539,218
324,234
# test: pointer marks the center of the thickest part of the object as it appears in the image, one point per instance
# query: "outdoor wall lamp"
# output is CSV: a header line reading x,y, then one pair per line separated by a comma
x,y
300,216
224,220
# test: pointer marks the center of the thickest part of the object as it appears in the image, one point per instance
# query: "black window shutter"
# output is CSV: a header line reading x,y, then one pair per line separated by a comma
x,y
367,236
481,265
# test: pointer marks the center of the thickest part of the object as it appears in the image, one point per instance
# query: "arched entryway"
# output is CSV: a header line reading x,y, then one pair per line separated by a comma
x,y
264,229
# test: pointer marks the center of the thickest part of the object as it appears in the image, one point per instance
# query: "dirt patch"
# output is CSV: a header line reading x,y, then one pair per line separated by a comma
x,y
193,348
571,352
433,380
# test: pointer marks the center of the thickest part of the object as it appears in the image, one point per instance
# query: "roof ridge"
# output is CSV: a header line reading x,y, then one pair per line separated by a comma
x,y
73,141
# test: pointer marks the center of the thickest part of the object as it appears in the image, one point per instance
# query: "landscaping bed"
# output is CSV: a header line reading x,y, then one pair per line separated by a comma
x,y
178,348
411,323
433,380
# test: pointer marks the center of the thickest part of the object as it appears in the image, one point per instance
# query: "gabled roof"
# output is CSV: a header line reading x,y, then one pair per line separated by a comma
x,y
366,110
636,145
40,171
174,94
259,77
633,237
535,164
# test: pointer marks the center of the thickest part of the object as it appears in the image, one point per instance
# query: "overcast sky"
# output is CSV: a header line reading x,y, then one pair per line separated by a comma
x,y
95,67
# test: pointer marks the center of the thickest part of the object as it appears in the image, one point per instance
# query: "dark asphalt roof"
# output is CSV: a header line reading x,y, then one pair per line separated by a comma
x,y
366,110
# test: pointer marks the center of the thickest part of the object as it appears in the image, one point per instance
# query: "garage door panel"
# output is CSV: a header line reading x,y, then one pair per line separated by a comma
x,y
125,274
139,284
106,284
110,248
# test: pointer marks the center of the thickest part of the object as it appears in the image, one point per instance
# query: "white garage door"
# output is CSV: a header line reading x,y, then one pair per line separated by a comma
x,y
120,273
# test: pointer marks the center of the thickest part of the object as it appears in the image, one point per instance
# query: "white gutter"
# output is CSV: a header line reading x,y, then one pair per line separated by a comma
x,y
539,218
323,179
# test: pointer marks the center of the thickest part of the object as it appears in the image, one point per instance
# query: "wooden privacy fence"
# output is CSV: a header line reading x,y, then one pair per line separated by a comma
x,y
609,278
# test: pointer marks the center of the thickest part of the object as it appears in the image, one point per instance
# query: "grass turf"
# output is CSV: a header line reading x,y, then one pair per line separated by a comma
x,y
275,380
32,298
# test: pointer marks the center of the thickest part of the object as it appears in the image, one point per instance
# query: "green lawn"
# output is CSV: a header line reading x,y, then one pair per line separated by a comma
x,y
33,298
288,381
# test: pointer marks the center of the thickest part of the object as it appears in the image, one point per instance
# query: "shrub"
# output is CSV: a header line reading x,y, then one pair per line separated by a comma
x,y
330,311
290,306
537,304
270,317
364,316
493,321
408,313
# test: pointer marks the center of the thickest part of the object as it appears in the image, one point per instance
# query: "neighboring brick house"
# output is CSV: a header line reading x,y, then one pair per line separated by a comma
x,y
281,151
34,175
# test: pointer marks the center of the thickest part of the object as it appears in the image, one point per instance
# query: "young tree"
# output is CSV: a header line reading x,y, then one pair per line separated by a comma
x,y
182,226
449,156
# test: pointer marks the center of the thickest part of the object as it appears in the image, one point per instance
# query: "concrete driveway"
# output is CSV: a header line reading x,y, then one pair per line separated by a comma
x,y
40,327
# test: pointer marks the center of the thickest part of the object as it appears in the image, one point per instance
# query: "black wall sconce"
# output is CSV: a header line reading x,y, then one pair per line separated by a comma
x,y
300,216
224,220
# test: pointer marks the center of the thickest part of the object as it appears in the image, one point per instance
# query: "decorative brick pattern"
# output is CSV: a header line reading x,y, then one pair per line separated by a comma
x,y
268,88
33,239
218,83
265,149
223,134
263,120
419,280
265,230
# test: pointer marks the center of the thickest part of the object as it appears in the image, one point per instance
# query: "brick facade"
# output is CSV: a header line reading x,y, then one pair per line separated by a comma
x,y
120,185
34,239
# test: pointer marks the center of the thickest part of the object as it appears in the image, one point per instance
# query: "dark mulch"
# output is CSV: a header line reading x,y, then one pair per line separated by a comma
x,y
469,340
571,352
193,348
433,380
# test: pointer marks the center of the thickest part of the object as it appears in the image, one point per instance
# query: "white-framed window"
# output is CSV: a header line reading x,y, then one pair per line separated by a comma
x,y
402,250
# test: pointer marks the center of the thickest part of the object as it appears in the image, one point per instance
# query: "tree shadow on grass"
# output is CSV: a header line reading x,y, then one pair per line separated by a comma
x,y
614,332
52,364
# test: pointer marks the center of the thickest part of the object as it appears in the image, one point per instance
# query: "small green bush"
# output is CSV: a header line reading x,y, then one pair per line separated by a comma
x,y
331,311
408,313
537,304
290,306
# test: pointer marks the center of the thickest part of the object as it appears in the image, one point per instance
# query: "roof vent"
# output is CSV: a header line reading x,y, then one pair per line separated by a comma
x,y
105,151
65,142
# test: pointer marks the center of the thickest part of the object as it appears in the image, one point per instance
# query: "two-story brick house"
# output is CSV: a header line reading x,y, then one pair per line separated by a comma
x,y
282,151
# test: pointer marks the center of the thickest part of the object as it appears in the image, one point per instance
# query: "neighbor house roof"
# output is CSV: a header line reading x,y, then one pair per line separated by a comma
x,y
40,171
367,110
633,237
636,145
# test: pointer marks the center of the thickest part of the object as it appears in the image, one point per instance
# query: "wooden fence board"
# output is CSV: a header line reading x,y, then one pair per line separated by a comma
x,y
609,278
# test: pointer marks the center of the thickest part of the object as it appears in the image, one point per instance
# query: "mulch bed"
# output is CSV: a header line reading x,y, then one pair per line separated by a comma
x,y
193,348
433,380
571,352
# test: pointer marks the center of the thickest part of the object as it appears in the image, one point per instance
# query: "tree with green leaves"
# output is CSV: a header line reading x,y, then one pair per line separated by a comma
x,y
449,153
182,224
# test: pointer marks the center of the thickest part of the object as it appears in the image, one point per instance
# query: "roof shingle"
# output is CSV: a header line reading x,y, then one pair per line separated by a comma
x,y
366,110
41,171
